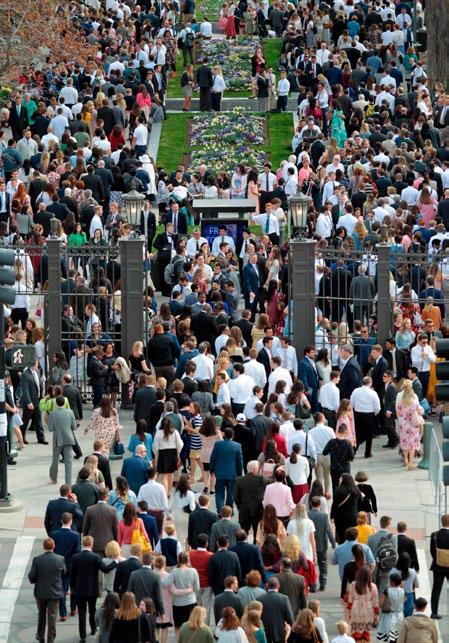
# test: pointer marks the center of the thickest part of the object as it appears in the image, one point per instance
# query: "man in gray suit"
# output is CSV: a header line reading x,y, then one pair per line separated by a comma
x,y
146,584
101,522
277,612
62,423
361,293
323,534
292,585
224,527
46,574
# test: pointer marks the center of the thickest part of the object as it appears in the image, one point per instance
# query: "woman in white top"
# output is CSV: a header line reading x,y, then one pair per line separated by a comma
x,y
297,468
167,447
182,501
318,620
302,527
21,305
228,629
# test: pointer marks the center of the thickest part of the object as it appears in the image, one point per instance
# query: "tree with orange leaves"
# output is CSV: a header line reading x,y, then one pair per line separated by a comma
x,y
38,31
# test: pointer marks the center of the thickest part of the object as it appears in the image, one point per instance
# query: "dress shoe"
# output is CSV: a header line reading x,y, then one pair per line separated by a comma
x,y
42,442
436,617
388,446
93,631
72,612
11,461
63,619
25,442
368,455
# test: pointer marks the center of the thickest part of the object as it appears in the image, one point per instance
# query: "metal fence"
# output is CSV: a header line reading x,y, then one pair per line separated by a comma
x,y
436,474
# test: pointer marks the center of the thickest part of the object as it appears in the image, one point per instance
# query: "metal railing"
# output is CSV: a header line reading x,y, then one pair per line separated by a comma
x,y
436,474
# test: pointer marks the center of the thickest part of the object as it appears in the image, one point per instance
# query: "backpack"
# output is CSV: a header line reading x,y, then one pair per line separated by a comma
x,y
386,554
190,37
170,271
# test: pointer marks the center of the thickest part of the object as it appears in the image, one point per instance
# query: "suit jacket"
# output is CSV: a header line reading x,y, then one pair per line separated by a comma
x,y
204,327
439,539
68,544
323,531
61,422
30,390
259,425
248,495
250,558
223,527
264,358
294,587
223,563
246,327
106,178
408,544
182,221
227,599
54,511
200,522
105,468
308,375
250,279
226,460
135,470
84,573
402,362
146,583
377,376
390,395
46,575
204,77
350,378
123,573
75,400
276,612
94,183
101,522
145,398
18,121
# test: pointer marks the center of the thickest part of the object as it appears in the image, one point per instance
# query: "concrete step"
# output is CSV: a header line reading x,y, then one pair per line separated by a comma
x,y
175,104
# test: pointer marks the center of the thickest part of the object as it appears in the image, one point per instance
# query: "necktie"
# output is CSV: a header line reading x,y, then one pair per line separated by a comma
x,y
175,223
245,245
394,362
266,183
267,224
197,246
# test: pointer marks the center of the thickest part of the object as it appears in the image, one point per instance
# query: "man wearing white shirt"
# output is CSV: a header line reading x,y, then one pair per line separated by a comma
x,y
193,245
140,138
69,93
96,222
206,29
204,364
324,225
366,404
348,220
422,356
59,123
222,339
323,54
241,389
410,194
267,182
279,374
287,429
329,398
268,332
287,355
153,493
283,89
223,393
269,223
335,165
222,238
329,187
300,437
255,369
387,96
250,407
321,434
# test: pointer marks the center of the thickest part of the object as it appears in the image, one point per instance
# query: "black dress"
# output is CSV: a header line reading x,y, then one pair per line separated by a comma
x,y
344,511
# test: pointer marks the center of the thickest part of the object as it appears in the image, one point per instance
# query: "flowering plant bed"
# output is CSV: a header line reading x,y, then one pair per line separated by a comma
x,y
234,58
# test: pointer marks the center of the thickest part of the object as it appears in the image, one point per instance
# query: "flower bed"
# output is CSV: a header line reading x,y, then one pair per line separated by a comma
x,y
222,141
234,59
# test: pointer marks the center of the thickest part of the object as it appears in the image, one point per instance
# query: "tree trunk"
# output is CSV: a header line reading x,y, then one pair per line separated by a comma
x,y
437,23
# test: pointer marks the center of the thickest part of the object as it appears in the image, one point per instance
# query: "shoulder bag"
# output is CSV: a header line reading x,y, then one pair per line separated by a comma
x,y
310,458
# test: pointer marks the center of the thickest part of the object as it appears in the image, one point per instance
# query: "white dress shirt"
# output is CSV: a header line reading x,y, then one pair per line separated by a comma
x,y
283,87
365,400
241,388
204,367
288,357
154,494
267,181
422,357
324,225
330,396
256,370
193,245
220,239
321,434
277,375
299,437
273,224
276,345
223,394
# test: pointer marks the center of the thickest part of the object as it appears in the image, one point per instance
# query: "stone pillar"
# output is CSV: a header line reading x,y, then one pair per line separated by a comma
x,y
131,255
384,310
54,306
302,293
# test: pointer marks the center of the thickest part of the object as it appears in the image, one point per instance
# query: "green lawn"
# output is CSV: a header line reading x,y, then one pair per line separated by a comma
x,y
280,133
272,51
173,141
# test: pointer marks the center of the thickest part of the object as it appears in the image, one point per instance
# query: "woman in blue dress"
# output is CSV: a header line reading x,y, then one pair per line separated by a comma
x,y
338,129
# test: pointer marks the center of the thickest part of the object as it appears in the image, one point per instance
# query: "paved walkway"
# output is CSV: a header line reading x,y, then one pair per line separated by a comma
x,y
402,495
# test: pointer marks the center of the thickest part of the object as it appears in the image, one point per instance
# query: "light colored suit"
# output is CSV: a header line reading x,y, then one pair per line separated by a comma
x,y
62,423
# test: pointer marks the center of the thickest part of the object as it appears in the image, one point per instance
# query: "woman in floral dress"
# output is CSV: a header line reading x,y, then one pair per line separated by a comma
x,y
410,418
346,416
363,604
104,421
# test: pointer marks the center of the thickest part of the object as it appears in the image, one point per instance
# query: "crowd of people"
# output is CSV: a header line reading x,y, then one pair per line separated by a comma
x,y
226,412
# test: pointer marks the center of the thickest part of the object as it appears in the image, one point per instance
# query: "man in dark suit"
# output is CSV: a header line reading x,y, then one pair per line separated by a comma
x,y
176,217
228,598
308,374
101,523
323,535
135,469
389,410
204,326
249,555
380,366
103,462
145,398
350,372
311,71
5,202
248,496
222,564
259,425
66,503
407,544
397,360
340,286
439,548
106,114
125,569
84,581
67,544
264,356
73,395
245,326
58,209
30,397
292,585
200,521
226,462
94,183
107,180
46,574
205,80
251,283
146,584
18,118
277,612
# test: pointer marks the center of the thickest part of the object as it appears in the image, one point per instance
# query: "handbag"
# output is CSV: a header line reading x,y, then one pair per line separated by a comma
x,y
442,555
139,538
310,459
268,468
118,448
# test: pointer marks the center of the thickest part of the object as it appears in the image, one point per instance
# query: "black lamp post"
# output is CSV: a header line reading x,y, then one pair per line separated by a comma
x,y
133,202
